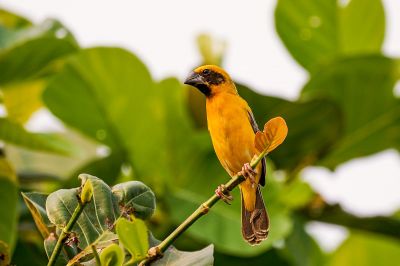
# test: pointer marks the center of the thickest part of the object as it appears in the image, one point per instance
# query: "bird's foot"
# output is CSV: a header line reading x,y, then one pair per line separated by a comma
x,y
249,173
224,194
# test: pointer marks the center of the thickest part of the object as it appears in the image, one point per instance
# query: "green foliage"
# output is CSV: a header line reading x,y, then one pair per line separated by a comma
x,y
134,237
155,132
112,256
8,219
318,32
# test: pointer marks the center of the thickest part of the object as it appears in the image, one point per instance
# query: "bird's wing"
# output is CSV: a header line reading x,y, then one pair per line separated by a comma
x,y
263,162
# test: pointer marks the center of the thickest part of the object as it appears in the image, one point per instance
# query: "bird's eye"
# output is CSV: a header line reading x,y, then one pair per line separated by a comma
x,y
206,71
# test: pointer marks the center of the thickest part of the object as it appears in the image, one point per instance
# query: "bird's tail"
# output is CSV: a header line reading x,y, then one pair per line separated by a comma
x,y
255,224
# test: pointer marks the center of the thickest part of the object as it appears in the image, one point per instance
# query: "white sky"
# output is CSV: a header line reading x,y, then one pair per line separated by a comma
x,y
162,34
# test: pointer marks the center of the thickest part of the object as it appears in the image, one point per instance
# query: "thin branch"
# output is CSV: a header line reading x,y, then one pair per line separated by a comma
x,y
96,255
156,252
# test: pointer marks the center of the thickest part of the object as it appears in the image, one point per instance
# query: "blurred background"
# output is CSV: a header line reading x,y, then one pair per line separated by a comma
x,y
96,87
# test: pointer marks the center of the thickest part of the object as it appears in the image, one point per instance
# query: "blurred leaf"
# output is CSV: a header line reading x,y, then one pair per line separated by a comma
x,y
136,198
271,257
36,203
9,23
12,21
28,45
296,194
97,217
27,253
134,237
301,248
16,134
109,168
316,32
23,99
211,50
9,213
367,250
363,88
302,118
112,256
108,94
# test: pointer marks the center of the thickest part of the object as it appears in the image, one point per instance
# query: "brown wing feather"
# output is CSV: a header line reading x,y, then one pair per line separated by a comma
x,y
263,162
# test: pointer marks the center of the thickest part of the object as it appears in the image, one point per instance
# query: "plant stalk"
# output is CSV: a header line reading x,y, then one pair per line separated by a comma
x,y
96,255
65,232
157,251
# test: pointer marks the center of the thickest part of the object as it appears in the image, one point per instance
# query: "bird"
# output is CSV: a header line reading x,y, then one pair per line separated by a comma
x,y
232,128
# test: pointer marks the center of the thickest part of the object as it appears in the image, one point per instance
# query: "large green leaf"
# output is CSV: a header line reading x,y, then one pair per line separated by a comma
x,y
97,216
134,237
367,250
38,45
363,89
9,210
315,32
14,133
9,23
108,94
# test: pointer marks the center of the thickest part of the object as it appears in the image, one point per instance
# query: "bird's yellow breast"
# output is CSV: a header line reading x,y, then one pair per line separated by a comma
x,y
231,132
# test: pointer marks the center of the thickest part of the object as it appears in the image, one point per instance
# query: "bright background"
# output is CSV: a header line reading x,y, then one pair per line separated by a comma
x,y
163,34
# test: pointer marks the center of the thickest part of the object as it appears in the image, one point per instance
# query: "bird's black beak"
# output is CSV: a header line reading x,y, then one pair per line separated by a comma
x,y
196,80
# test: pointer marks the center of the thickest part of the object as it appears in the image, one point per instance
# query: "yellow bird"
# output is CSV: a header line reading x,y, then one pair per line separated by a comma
x,y
232,128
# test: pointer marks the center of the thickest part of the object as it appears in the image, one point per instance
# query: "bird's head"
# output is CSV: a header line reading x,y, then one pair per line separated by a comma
x,y
210,80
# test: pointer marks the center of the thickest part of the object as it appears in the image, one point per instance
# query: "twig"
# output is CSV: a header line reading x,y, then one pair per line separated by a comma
x,y
156,252
96,255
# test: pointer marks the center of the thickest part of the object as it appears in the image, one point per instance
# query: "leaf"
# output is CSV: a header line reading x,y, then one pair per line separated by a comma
x,y
8,219
211,50
367,250
135,196
22,99
97,216
14,133
133,235
363,89
274,133
317,32
36,203
109,95
173,256
41,45
112,256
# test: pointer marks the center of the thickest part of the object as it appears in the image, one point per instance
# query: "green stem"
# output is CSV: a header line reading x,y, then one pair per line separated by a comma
x,y
157,251
96,255
65,232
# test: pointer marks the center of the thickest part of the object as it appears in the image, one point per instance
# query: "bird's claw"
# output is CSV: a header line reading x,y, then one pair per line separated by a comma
x,y
249,173
224,194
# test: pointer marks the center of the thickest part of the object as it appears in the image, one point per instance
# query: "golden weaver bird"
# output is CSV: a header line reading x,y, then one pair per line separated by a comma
x,y
232,128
